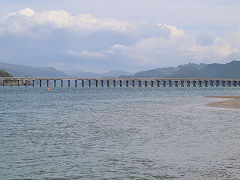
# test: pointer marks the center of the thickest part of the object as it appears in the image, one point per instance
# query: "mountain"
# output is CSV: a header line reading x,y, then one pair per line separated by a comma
x,y
109,74
29,71
191,70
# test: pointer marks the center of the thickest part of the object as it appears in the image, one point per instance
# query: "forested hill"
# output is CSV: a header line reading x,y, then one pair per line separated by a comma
x,y
4,74
228,70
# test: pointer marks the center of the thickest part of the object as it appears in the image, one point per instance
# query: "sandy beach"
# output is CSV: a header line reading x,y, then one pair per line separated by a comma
x,y
232,102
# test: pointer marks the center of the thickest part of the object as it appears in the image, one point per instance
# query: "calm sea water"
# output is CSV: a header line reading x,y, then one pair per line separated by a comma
x,y
117,133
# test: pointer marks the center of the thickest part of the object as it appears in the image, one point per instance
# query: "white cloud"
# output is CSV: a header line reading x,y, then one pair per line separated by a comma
x,y
136,44
26,19
177,48
87,54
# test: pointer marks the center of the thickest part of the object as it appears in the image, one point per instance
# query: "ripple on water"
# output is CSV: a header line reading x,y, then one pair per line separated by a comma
x,y
117,133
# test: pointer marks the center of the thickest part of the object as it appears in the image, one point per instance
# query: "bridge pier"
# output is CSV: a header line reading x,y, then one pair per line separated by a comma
x,y
61,83
188,83
114,83
146,83
108,83
55,83
69,83
182,83
176,83
89,83
206,83
152,83
194,83
40,83
76,83
217,83
133,83
223,83
127,83
158,83
211,83
170,83
235,83
139,83
83,83
96,81
229,83
164,83
102,82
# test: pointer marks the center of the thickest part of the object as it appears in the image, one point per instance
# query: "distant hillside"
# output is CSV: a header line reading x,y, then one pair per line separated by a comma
x,y
29,71
4,74
110,74
228,70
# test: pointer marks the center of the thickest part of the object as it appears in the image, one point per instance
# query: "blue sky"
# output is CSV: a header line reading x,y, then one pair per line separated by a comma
x,y
103,35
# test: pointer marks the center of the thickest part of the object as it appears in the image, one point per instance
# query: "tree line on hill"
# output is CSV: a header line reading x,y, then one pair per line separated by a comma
x,y
5,74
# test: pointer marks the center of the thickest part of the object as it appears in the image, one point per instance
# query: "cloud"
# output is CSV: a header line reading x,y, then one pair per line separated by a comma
x,y
87,54
110,43
176,48
24,21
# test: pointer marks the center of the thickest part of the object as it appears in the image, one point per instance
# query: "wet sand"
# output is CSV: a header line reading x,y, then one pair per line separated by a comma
x,y
232,102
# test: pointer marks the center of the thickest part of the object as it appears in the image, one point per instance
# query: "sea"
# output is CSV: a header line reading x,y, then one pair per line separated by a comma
x,y
150,133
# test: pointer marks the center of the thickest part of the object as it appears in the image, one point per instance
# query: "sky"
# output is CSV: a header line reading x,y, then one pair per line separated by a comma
x,y
127,35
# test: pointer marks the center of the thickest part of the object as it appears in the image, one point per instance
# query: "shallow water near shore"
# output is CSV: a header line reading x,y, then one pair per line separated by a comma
x,y
117,133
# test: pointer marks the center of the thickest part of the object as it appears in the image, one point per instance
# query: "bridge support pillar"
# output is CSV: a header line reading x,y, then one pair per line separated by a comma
x,y
188,83
108,83
102,82
158,83
206,83
120,83
83,83
69,83
55,83
146,83
182,83
133,83
114,83
96,81
61,83
176,83
89,83
139,83
164,83
40,83
76,83
33,83
194,83
127,83
152,83
235,83
229,83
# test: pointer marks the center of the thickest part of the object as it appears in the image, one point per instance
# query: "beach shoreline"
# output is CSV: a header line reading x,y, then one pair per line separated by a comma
x,y
231,102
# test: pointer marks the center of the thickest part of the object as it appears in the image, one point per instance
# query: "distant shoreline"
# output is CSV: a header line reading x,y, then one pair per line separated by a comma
x,y
232,102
